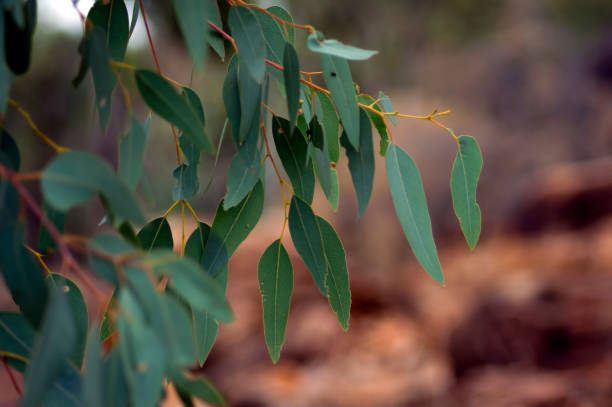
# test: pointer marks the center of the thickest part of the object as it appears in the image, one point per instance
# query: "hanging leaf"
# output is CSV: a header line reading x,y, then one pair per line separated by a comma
x,y
187,182
317,43
51,351
249,41
22,274
9,152
286,28
230,228
78,309
292,150
337,75
93,379
411,209
337,280
291,75
275,275
112,17
211,13
361,163
191,15
240,180
156,235
103,76
73,178
131,153
274,40
111,245
164,100
329,118
464,180
199,387
231,97
250,105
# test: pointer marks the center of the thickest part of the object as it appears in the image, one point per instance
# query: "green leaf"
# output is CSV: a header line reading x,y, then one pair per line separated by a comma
x,y
231,97
165,101
464,180
9,152
191,16
18,44
113,19
337,280
284,15
93,379
337,75
249,40
329,118
46,243
241,178
53,347
192,285
66,390
316,43
22,274
411,209
307,241
211,13
291,75
73,178
78,309
111,245
250,106
386,105
199,387
292,150
273,37
187,182
131,153
230,228
115,382
156,235
16,338
196,242
361,163
377,121
275,275
103,76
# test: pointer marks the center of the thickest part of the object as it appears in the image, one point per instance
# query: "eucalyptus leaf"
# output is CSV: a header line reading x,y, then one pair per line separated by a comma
x,y
249,40
411,209
326,112
131,153
291,74
156,235
464,180
191,15
317,43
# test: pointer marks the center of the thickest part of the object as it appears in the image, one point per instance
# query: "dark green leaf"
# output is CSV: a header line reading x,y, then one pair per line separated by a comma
x,y
53,347
73,178
103,76
338,78
231,97
93,379
361,163
230,228
164,100
18,44
78,309
464,180
249,40
337,281
411,208
291,75
275,275
292,150
211,13
317,43
46,243
156,235
250,106
22,274
9,152
16,339
131,153
191,16
196,242
112,17
327,113
377,121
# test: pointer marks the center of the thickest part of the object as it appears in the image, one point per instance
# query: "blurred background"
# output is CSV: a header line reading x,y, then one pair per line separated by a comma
x,y
524,320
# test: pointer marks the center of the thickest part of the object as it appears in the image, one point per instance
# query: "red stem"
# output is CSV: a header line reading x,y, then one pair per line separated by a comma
x,y
10,373
144,17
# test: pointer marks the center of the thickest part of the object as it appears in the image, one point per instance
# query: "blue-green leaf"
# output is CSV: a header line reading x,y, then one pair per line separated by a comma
x,y
211,13
411,209
284,15
337,75
329,119
251,93
275,275
199,387
164,100
187,182
156,235
292,150
361,163
73,178
377,121
464,180
291,75
241,178
46,243
316,43
16,338
93,380
191,18
386,105
131,153
249,41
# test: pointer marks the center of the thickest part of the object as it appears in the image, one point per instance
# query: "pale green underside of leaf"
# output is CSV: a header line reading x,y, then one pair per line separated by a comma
x,y
411,209
316,43
464,180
